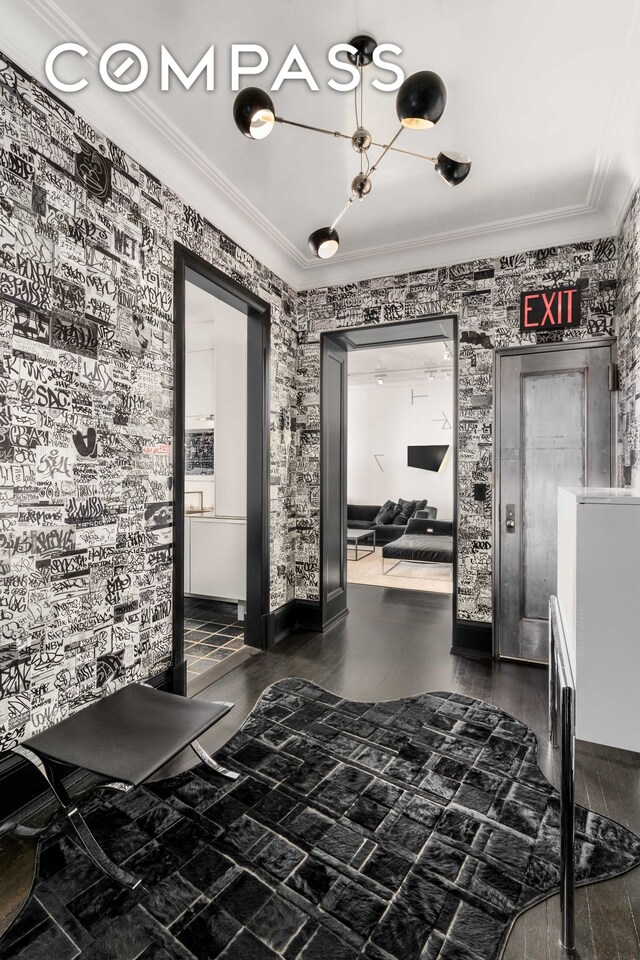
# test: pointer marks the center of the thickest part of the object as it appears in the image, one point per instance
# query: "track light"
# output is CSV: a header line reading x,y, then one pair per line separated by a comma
x,y
254,113
453,167
380,381
421,100
324,242
447,354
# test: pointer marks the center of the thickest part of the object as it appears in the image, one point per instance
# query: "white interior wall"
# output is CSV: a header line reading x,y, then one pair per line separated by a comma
x,y
382,420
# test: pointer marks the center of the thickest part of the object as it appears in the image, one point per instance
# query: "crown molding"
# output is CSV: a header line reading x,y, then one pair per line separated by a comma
x,y
145,132
184,168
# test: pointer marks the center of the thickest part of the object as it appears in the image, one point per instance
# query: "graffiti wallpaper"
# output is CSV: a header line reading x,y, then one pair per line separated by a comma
x,y
485,294
86,283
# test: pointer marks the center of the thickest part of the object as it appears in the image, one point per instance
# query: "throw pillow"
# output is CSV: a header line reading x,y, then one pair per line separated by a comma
x,y
406,509
420,505
387,512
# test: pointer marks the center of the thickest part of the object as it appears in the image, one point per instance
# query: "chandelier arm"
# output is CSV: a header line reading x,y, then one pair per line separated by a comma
x,y
342,212
388,147
407,153
306,126
345,136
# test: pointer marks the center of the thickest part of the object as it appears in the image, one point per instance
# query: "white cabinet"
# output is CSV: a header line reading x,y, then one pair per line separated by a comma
x,y
218,558
599,596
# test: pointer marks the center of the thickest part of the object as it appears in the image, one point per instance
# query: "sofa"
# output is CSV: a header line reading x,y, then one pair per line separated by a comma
x,y
424,541
362,517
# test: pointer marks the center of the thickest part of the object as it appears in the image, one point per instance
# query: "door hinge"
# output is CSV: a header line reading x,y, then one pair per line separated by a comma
x,y
613,380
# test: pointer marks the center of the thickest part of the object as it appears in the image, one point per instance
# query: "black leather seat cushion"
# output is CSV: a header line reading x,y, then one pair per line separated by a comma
x,y
386,532
128,735
425,547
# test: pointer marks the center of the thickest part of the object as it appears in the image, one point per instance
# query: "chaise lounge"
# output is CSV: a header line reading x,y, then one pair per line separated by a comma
x,y
425,541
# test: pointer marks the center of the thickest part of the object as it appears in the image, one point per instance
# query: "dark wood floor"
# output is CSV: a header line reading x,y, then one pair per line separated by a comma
x,y
396,643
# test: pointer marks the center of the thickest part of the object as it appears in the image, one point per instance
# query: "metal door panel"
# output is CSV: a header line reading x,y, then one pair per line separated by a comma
x,y
553,428
553,455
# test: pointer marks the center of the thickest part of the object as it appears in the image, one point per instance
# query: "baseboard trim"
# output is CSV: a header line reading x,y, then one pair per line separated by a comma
x,y
472,639
281,622
297,615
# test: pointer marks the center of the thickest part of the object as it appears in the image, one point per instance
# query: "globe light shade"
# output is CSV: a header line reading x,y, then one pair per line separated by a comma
x,y
453,167
421,100
253,113
324,242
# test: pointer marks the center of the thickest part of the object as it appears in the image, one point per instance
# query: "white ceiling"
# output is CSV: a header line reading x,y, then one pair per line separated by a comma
x,y
544,96
399,363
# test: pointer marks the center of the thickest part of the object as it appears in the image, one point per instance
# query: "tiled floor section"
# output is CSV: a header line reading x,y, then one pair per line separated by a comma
x,y
211,635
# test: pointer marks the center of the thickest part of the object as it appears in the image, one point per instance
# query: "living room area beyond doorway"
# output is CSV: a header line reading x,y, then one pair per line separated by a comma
x,y
400,465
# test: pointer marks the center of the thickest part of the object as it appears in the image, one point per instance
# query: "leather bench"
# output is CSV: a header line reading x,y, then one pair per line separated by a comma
x,y
124,738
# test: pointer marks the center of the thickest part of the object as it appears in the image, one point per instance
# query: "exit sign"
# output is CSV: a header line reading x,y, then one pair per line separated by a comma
x,y
550,309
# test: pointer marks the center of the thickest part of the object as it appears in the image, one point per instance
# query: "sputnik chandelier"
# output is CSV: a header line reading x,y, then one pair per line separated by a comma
x,y
420,103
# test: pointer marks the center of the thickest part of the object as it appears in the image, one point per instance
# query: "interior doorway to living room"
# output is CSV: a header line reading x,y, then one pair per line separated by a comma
x,y
388,454
399,466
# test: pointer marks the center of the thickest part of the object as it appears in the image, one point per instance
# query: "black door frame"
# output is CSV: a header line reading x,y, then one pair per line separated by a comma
x,y
258,357
339,338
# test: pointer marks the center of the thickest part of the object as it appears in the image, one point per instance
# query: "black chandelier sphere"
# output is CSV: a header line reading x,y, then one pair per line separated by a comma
x,y
365,45
324,242
421,100
453,167
254,113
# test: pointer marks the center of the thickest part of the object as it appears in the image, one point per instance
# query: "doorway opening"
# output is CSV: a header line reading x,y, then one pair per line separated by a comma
x,y
388,460
221,558
555,427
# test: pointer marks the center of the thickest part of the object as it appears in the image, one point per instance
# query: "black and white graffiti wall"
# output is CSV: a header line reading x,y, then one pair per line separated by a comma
x,y
86,402
86,301
628,331
485,294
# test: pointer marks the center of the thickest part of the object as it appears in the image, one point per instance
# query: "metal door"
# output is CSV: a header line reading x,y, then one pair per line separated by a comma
x,y
554,428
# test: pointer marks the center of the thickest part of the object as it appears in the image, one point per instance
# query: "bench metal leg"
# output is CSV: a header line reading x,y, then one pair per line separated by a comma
x,y
213,764
78,822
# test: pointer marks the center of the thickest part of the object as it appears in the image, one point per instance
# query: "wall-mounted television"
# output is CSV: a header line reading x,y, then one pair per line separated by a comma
x,y
427,458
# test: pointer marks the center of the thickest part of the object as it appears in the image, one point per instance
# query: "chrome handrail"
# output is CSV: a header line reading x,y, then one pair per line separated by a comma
x,y
562,720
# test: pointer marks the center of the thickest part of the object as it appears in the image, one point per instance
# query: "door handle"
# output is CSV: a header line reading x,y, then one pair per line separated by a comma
x,y
510,520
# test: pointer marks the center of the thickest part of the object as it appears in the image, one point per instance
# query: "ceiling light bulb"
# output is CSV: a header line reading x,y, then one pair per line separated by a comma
x,y
380,381
421,100
324,242
254,113
453,167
